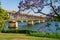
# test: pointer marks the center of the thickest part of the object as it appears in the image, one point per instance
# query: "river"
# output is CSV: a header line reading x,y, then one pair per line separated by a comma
x,y
37,27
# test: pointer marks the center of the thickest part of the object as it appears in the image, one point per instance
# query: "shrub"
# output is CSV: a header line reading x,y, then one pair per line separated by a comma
x,y
43,34
38,34
33,33
17,31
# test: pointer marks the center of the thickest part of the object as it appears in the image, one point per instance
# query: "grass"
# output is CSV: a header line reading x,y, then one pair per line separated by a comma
x,y
17,36
43,34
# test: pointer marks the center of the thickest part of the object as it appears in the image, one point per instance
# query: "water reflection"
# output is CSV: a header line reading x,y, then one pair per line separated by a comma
x,y
25,26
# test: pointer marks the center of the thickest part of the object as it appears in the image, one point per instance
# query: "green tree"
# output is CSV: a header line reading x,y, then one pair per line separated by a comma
x,y
3,17
57,18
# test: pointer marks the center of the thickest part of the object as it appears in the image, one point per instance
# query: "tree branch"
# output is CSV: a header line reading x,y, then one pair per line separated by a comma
x,y
54,9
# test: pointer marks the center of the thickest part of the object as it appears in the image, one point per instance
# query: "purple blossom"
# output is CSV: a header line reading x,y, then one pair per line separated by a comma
x,y
27,4
58,8
46,0
41,28
21,2
42,1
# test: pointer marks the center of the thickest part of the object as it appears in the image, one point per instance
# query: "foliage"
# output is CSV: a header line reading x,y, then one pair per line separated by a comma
x,y
3,14
39,5
3,17
33,33
44,34
56,19
17,31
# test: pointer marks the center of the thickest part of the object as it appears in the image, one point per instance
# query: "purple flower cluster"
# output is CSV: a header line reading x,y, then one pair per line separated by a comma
x,y
31,3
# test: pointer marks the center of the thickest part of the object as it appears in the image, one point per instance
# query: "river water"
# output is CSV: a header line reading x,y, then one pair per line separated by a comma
x,y
37,27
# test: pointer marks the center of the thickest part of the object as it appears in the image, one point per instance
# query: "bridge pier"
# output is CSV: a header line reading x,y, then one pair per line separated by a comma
x,y
26,20
22,21
43,20
30,22
37,21
13,25
16,24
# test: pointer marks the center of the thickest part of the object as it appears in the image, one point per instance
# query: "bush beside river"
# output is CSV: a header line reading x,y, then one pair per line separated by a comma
x,y
33,33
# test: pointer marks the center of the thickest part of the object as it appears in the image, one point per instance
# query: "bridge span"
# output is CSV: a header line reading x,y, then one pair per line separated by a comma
x,y
30,19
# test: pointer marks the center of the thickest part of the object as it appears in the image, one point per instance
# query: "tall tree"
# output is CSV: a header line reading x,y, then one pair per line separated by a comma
x,y
54,7
3,17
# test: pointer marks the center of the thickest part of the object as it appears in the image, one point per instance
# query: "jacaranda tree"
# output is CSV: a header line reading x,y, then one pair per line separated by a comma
x,y
53,5
37,6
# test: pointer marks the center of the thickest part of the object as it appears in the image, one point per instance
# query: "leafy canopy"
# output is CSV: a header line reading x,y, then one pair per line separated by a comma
x,y
3,16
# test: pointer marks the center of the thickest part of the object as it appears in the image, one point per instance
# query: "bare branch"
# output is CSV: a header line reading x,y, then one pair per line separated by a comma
x,y
54,9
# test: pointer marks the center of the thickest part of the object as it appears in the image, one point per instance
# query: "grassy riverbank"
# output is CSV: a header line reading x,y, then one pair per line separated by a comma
x,y
17,36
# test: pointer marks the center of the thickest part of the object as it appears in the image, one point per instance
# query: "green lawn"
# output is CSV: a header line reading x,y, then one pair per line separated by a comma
x,y
11,36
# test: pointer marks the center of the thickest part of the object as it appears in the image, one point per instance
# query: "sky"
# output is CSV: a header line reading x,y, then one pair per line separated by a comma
x,y
11,5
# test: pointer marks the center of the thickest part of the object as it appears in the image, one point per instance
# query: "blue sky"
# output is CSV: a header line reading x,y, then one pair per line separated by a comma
x,y
10,4
13,5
